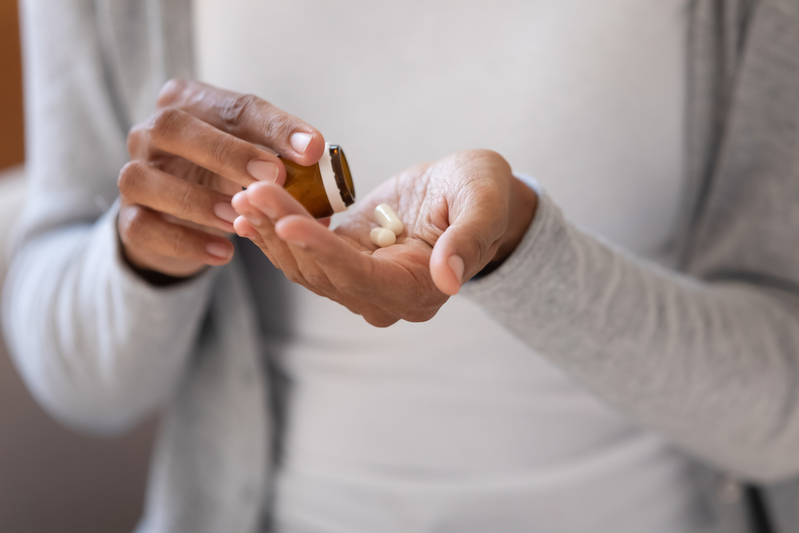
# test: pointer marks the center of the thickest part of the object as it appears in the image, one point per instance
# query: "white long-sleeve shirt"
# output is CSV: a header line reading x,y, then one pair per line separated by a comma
x,y
454,424
709,360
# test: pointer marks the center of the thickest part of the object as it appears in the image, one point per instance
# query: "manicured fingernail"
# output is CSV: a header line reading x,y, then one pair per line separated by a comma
x,y
225,211
299,141
218,250
456,264
263,170
243,230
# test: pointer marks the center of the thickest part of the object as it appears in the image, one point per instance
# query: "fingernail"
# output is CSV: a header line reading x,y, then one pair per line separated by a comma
x,y
299,141
242,230
225,211
218,250
263,170
456,264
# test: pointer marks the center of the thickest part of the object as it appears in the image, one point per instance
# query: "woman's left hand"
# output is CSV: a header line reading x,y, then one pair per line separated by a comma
x,y
459,213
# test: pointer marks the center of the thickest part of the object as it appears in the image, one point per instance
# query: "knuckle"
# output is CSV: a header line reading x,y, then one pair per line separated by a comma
x,y
316,291
420,315
478,247
171,92
483,153
135,138
173,246
165,123
224,151
232,111
379,320
277,125
185,202
133,224
130,176
483,245
294,277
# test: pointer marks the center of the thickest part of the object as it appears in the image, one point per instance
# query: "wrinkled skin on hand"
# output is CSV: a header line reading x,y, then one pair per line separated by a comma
x,y
459,213
201,146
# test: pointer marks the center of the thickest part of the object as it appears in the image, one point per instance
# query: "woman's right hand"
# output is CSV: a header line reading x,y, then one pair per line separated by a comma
x,y
201,147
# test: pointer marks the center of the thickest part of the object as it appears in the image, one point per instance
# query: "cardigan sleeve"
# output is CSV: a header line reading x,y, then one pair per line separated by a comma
x,y
98,347
710,364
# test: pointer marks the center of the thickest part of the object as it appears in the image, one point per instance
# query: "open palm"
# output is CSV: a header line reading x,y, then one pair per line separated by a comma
x,y
455,212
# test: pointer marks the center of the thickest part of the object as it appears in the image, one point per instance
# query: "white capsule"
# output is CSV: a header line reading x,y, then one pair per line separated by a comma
x,y
382,237
387,218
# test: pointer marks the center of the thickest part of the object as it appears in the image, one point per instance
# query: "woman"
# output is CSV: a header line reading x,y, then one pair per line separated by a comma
x,y
376,434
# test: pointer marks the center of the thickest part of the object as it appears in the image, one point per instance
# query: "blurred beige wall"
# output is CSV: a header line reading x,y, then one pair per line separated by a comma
x,y
51,478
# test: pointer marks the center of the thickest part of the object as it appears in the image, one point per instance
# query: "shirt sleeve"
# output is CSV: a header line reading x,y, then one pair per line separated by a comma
x,y
712,365
97,346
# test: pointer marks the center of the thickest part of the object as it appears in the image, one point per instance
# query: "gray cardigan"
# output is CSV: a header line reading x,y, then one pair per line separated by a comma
x,y
708,357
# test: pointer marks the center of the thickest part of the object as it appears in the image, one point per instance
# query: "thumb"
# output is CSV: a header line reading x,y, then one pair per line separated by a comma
x,y
467,245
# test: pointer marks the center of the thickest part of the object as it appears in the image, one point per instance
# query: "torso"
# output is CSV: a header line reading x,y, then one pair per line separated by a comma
x,y
454,425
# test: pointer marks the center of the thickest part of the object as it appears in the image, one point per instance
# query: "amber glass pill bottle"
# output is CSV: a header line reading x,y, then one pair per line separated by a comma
x,y
324,188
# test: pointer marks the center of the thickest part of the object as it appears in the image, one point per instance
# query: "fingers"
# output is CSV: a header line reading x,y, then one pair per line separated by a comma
x,y
145,185
264,204
146,233
482,233
244,228
347,270
384,286
353,286
463,250
258,212
274,201
175,132
281,255
199,134
477,218
256,226
247,117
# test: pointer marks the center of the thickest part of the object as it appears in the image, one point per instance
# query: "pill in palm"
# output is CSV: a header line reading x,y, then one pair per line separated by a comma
x,y
387,218
382,237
